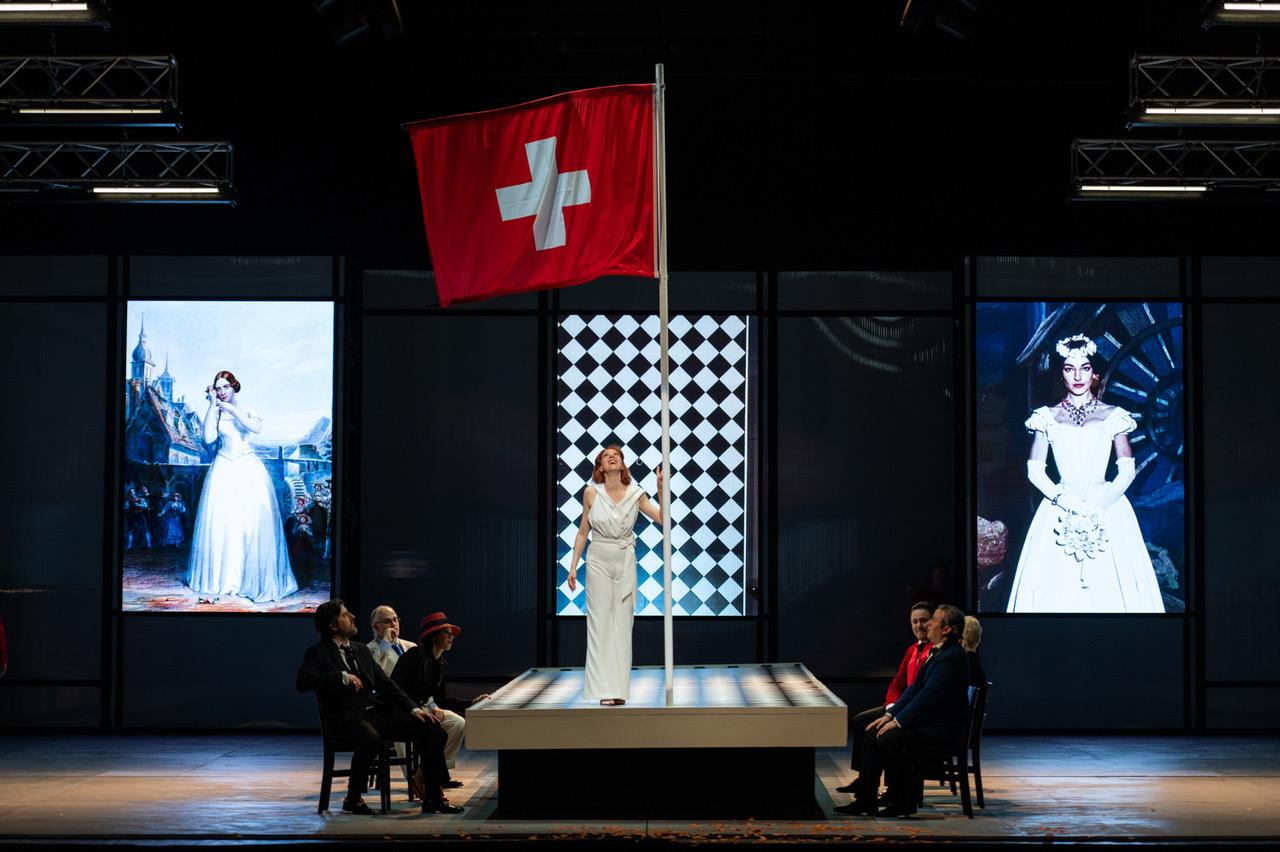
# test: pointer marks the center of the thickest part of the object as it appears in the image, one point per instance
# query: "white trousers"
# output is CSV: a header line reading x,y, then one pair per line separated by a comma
x,y
611,610
453,725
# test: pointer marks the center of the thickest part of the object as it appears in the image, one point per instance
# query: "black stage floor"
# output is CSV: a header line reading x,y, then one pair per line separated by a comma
x,y
189,790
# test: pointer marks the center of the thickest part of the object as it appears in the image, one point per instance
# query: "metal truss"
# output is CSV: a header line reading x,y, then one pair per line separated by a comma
x,y
1146,165
1204,89
110,89
133,171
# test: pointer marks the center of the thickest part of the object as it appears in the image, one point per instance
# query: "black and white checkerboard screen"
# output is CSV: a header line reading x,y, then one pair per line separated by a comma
x,y
607,382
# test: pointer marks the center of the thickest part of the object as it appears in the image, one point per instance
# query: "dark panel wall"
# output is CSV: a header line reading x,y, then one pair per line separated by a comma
x,y
449,451
866,487
1241,497
51,491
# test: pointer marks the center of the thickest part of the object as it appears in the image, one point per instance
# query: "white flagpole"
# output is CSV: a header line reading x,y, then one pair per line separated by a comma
x,y
660,187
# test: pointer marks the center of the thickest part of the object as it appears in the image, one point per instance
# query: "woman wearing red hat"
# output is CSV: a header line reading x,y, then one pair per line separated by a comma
x,y
420,671
609,507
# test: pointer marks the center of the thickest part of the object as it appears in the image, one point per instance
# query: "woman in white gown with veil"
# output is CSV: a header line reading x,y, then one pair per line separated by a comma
x,y
610,504
1084,550
238,545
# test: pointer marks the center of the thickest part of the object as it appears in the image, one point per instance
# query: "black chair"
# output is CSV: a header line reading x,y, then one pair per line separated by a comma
x,y
380,769
967,760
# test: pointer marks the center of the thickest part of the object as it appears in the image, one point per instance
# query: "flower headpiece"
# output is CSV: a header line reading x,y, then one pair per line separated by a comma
x,y
1090,348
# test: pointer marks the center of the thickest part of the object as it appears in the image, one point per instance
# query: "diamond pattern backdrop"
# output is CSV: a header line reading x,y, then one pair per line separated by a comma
x,y
607,382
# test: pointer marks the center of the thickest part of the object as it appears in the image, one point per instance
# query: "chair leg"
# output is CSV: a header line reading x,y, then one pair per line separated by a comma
x,y
384,778
965,801
977,776
326,782
953,771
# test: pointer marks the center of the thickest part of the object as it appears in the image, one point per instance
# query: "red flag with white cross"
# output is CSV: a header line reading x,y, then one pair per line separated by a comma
x,y
546,194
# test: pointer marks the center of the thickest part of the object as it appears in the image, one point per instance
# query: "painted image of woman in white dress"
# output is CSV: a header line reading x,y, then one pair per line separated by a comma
x,y
610,504
1084,550
238,545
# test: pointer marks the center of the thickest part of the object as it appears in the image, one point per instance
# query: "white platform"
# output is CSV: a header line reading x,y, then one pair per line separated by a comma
x,y
770,705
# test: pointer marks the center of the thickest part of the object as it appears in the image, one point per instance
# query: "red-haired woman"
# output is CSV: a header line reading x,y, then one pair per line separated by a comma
x,y
238,545
609,507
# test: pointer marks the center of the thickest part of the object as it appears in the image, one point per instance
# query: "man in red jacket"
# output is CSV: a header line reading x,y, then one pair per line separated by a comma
x,y
917,652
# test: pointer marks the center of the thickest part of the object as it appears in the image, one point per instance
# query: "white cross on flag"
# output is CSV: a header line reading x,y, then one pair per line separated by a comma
x,y
547,194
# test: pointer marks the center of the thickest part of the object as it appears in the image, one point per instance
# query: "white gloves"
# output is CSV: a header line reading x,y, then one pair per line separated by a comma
x,y
1036,474
1125,473
1115,489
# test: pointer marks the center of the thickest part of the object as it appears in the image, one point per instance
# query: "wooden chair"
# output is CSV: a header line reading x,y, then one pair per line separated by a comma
x,y
380,769
967,760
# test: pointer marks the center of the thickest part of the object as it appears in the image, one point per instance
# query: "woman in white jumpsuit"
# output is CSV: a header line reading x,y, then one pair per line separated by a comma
x,y
609,507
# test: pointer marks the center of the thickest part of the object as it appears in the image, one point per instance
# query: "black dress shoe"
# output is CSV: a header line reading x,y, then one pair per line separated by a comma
x,y
894,812
356,806
851,787
451,784
856,808
439,806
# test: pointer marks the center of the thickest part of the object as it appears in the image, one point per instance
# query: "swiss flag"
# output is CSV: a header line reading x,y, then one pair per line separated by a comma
x,y
546,194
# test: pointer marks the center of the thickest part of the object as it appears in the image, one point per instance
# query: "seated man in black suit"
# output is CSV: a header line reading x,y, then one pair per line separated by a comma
x,y
361,705
929,718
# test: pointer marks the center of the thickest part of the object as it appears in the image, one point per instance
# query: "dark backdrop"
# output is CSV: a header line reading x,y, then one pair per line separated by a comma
x,y
865,460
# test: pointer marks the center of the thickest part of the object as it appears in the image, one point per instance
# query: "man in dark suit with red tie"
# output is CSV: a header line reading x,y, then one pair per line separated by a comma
x,y
928,718
361,705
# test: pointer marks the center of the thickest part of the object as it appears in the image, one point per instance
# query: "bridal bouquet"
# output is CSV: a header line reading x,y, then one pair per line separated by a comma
x,y
1081,536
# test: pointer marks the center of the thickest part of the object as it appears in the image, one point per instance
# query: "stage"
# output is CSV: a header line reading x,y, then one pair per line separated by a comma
x,y
239,789
752,721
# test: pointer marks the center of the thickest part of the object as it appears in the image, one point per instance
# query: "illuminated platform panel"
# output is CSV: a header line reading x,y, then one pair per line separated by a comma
x,y
773,705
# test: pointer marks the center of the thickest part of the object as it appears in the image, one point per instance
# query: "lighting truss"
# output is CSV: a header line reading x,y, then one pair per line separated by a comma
x,y
101,90
184,172
1248,12
1181,168
1167,90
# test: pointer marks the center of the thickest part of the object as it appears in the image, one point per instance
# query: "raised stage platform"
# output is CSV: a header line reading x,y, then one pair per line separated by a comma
x,y
562,756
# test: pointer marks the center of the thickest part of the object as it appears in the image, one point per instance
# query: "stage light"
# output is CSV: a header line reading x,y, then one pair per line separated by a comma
x,y
105,111
156,190
111,91
1189,190
1174,168
55,12
1202,90
6,8
1243,111
1242,13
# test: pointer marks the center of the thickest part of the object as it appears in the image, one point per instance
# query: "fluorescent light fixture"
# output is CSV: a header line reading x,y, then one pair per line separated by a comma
x,y
1251,7
90,111
1213,110
1112,187
44,7
156,190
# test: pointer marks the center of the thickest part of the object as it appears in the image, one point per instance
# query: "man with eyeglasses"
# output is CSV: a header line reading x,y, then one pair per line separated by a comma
x,y
387,646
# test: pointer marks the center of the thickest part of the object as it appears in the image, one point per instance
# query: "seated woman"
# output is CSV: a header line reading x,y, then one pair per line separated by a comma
x,y
970,639
420,671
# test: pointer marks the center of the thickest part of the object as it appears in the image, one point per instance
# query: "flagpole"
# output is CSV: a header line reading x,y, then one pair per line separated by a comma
x,y
660,187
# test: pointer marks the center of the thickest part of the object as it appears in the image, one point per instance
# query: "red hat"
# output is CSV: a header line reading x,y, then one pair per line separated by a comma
x,y
434,622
